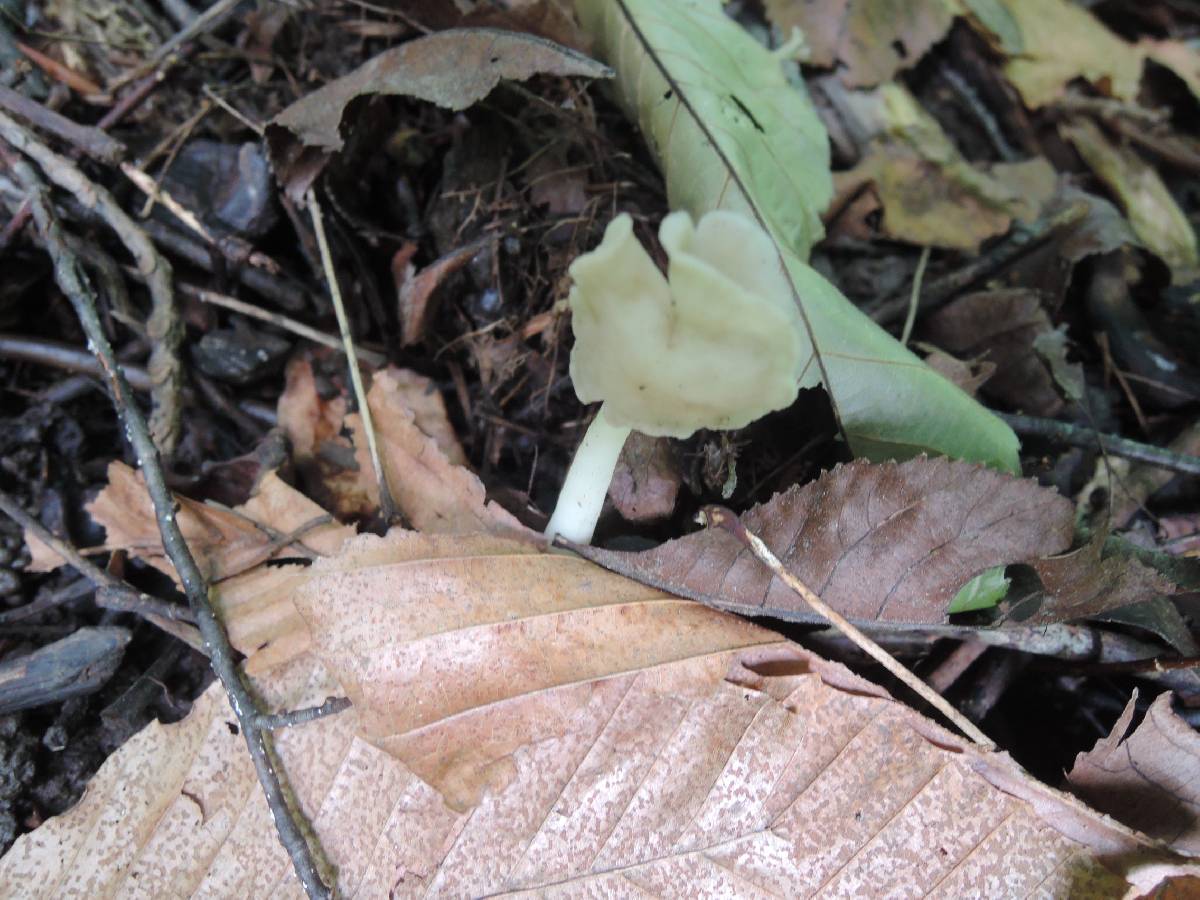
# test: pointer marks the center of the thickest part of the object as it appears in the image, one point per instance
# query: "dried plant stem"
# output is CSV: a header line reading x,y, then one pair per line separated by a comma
x,y
1075,436
331,706
387,506
73,282
915,297
163,327
723,518
121,595
277,319
208,20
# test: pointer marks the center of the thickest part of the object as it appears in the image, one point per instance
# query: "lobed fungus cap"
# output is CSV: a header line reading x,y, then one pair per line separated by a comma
x,y
717,343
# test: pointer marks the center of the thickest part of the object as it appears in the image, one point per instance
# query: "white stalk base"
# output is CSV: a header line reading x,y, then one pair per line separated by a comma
x,y
591,471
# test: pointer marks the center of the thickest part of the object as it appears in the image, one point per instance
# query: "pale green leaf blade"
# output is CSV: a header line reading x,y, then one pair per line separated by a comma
x,y
730,131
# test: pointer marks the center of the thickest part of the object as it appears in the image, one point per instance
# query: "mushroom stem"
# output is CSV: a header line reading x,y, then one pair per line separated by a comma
x,y
583,493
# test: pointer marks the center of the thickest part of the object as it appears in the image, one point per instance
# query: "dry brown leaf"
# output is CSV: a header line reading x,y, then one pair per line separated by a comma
x,y
453,69
1082,583
1150,779
326,459
1062,41
1153,213
323,457
1002,327
929,193
433,493
891,542
691,754
224,541
646,480
869,40
418,288
966,374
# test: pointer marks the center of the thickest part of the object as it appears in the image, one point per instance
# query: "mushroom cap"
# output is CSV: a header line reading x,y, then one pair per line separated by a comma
x,y
717,343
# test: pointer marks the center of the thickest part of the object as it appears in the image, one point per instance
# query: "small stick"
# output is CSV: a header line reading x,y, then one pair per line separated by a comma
x,y
121,595
63,356
1074,436
915,297
386,505
277,319
86,138
163,326
331,706
723,518
73,282
208,20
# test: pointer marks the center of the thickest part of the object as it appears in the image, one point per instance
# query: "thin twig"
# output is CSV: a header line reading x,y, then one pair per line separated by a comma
x,y
86,138
1074,436
331,706
63,356
72,557
1022,240
387,506
205,22
915,296
277,319
163,326
73,282
721,517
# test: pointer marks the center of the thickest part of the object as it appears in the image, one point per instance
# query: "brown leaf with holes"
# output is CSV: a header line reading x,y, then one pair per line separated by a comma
x,y
1149,779
889,542
525,721
1002,327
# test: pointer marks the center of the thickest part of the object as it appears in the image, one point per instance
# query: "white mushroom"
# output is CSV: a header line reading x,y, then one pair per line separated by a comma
x,y
717,343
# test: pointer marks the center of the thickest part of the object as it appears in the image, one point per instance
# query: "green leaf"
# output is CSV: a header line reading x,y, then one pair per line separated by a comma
x,y
983,591
731,132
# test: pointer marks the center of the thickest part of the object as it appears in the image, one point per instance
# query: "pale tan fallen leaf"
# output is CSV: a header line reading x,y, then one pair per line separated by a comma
x,y
224,541
434,494
675,751
1062,41
314,424
929,194
1155,216
1150,778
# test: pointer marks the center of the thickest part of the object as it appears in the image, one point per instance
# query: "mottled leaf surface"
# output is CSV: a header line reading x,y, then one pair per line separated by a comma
x,y
490,751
